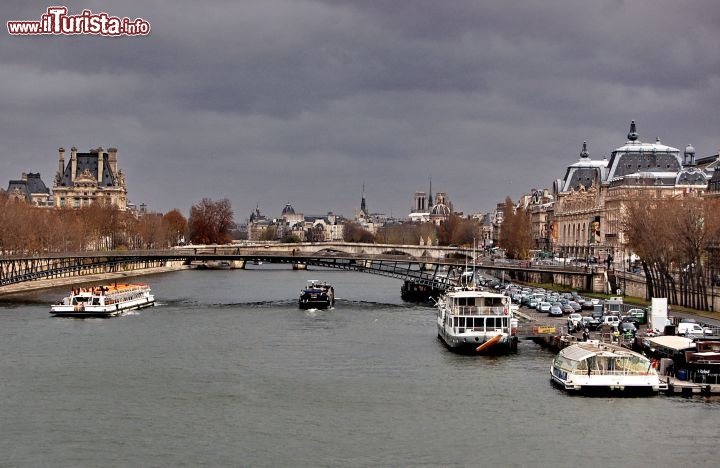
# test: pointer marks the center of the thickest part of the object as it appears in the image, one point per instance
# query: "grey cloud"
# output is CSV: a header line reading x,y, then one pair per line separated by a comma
x,y
302,101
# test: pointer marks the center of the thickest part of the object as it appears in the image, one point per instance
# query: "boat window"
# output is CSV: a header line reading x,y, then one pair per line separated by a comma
x,y
490,322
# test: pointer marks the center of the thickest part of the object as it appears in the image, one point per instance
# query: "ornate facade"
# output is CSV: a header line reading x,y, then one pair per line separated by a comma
x,y
592,198
88,178
31,189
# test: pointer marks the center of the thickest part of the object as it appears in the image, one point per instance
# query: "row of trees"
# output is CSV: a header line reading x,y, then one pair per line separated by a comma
x,y
677,241
25,228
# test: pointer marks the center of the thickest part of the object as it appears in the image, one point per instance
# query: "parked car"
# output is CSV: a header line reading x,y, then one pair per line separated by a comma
x,y
628,319
575,305
627,329
591,323
568,309
555,311
638,314
574,322
612,320
545,307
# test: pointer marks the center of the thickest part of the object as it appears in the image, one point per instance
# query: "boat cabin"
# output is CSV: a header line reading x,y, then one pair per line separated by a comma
x,y
478,305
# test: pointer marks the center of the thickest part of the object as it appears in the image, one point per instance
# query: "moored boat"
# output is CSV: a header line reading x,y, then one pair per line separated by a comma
x,y
317,295
594,366
474,321
103,301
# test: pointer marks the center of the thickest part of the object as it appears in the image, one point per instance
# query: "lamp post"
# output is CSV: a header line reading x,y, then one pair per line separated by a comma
x,y
712,290
625,276
575,252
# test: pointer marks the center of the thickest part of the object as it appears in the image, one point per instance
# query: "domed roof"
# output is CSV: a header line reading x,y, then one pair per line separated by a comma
x,y
440,210
288,210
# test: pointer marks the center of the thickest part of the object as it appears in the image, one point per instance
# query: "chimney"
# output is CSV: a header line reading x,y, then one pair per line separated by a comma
x,y
112,160
23,176
61,160
73,163
100,153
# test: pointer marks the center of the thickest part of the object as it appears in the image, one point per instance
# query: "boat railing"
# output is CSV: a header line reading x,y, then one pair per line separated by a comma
x,y
493,330
479,310
624,372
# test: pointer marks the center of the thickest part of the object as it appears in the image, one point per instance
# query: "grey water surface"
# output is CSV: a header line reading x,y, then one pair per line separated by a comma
x,y
227,371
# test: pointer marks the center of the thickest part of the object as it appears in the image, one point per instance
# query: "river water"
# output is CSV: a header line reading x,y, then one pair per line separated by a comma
x,y
227,371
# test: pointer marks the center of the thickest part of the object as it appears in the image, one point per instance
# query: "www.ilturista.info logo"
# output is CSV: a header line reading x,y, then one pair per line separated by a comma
x,y
57,21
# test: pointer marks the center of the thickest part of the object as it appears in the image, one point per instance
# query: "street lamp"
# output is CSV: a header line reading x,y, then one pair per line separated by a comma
x,y
712,290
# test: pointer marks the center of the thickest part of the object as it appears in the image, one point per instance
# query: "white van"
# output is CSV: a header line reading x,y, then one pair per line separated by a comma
x,y
689,328
612,320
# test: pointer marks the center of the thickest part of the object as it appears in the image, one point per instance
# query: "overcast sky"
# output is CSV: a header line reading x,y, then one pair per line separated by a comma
x,y
302,101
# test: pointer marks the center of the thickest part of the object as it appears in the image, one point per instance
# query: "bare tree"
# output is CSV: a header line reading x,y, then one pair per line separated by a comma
x,y
516,231
211,222
175,226
353,232
674,238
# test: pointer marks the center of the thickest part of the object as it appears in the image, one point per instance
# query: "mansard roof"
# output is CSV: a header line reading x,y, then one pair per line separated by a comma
x,y
30,184
637,156
88,161
585,172
642,164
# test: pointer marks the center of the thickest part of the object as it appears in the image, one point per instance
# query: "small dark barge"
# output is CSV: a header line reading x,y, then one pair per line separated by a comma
x,y
317,295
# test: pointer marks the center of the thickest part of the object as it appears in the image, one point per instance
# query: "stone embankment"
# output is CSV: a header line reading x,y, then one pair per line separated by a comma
x,y
27,286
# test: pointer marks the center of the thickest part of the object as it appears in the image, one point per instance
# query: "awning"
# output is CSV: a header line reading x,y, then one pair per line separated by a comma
x,y
675,343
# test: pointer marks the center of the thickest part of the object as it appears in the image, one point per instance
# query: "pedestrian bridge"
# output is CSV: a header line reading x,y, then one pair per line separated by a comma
x,y
437,267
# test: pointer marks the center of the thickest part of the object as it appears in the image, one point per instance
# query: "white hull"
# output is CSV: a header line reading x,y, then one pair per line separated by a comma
x,y
97,311
601,367
104,301
474,321
470,341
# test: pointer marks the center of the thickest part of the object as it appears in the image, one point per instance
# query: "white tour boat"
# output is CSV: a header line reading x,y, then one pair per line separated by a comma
x,y
104,301
596,366
471,320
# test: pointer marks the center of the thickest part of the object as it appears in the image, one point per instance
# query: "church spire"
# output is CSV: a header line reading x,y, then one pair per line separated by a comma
x,y
363,205
430,202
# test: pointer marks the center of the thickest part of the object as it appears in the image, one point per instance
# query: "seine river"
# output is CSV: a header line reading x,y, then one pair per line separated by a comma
x,y
227,371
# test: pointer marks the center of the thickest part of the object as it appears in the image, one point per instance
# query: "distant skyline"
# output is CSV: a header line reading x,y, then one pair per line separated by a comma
x,y
304,101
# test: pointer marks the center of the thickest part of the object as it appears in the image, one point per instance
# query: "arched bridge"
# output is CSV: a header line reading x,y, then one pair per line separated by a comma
x,y
437,267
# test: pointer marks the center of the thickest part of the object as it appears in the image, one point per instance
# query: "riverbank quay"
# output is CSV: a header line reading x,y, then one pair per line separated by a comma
x,y
677,386
35,285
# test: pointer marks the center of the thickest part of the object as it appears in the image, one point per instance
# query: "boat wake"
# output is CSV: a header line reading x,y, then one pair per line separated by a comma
x,y
374,304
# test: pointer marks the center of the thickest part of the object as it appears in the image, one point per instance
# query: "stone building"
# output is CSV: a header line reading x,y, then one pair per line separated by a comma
x,y
307,228
540,205
31,189
591,200
89,177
